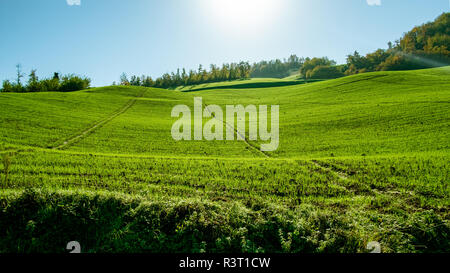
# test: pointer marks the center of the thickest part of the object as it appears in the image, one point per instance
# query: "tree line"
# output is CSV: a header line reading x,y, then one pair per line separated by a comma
x,y
235,71
277,68
226,72
65,83
424,46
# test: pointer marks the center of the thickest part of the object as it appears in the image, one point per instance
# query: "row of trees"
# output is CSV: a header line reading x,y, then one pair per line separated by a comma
x,y
234,71
65,83
227,72
277,68
424,46
315,68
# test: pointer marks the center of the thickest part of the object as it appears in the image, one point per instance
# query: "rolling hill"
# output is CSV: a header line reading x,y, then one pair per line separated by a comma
x,y
361,158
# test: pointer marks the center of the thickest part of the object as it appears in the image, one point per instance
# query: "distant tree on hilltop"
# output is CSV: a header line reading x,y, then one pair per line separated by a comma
x,y
124,79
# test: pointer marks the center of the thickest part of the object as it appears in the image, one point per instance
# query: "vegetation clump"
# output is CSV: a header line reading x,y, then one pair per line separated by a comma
x,y
65,83
44,221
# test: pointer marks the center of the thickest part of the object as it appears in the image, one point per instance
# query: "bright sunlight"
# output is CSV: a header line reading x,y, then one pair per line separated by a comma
x,y
242,16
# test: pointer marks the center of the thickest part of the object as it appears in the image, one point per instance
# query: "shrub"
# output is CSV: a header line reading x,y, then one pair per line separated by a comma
x,y
74,83
325,72
36,220
7,86
49,85
12,87
33,83
69,82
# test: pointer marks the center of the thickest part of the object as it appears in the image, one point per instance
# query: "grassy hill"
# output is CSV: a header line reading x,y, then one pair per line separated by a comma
x,y
245,84
361,158
295,76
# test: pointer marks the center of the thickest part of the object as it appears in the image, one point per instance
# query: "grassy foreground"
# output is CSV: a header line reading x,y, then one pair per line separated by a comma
x,y
361,158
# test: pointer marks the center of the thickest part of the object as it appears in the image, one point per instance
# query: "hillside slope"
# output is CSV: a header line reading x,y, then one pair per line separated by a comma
x,y
361,158
373,113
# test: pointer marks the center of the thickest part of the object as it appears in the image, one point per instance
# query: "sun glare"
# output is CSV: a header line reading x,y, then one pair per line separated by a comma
x,y
240,16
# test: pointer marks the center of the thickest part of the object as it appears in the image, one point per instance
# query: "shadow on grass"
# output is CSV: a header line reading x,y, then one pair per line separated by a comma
x,y
252,85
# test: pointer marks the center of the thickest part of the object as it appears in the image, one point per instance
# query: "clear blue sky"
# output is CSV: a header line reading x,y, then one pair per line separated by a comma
x,y
103,38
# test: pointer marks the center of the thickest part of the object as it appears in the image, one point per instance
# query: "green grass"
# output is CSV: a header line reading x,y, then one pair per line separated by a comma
x,y
244,84
361,158
296,76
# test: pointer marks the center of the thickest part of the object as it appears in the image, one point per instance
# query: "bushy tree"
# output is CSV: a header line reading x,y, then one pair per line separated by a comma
x,y
147,81
124,79
7,86
50,84
325,72
12,87
73,83
310,64
33,82
135,81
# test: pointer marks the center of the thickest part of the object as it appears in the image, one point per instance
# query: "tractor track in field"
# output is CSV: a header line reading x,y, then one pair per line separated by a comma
x,y
130,104
99,124
327,168
239,134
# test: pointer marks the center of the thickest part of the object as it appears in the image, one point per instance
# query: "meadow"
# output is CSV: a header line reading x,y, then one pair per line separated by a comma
x,y
361,158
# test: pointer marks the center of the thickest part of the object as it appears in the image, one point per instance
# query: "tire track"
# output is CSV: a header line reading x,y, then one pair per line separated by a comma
x,y
238,133
325,167
97,125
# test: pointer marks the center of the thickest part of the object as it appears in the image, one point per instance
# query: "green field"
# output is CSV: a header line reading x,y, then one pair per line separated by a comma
x,y
244,84
361,158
